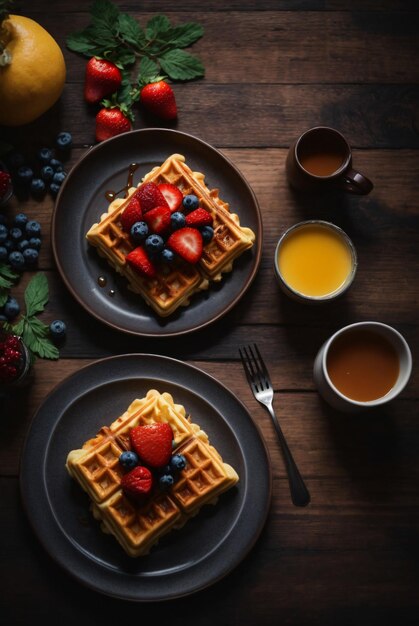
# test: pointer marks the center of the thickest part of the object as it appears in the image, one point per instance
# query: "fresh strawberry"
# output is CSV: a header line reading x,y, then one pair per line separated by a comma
x,y
6,188
158,219
131,214
199,217
152,443
139,260
187,243
173,195
150,196
137,483
158,98
102,78
111,122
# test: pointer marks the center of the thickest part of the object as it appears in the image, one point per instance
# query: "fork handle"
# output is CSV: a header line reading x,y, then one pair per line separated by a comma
x,y
299,492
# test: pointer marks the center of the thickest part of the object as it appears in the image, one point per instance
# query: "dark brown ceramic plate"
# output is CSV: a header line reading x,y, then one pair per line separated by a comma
x,y
82,200
209,546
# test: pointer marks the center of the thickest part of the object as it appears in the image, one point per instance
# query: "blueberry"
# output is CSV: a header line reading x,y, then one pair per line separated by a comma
x,y
25,175
47,173
190,202
38,187
45,155
64,140
56,165
59,177
3,253
23,244
154,244
177,220
129,459
33,228
4,233
35,243
20,220
11,308
166,481
30,255
167,255
16,260
57,329
15,234
177,462
54,189
139,232
207,233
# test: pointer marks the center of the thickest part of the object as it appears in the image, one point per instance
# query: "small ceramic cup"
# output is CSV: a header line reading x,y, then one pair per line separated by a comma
x,y
326,231
321,159
327,377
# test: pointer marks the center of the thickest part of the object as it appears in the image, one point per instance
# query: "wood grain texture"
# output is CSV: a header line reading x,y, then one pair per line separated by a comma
x,y
273,69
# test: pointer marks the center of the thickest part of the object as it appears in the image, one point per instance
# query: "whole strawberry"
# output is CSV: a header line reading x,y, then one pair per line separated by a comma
x,y
159,99
152,443
102,78
137,483
111,122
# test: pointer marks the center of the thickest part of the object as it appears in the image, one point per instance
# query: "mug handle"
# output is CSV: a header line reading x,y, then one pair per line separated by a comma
x,y
355,182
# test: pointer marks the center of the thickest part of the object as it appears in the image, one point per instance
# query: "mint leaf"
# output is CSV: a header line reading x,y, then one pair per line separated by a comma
x,y
7,279
81,43
36,295
180,65
35,335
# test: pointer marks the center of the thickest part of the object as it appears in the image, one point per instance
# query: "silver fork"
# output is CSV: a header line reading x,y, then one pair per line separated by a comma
x,y
261,386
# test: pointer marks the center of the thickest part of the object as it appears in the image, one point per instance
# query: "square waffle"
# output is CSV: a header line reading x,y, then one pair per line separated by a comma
x,y
174,286
97,469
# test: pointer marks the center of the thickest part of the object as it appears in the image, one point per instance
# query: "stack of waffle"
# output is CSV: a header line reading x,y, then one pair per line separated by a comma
x,y
97,469
175,285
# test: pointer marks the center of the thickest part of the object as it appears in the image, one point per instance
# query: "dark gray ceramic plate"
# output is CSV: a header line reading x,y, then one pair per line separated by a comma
x,y
82,200
209,546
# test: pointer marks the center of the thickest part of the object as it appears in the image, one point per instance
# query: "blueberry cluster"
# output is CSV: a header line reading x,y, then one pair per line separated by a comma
x,y
167,475
47,174
20,242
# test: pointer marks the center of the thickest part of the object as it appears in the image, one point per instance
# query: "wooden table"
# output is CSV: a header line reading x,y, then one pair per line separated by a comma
x,y
273,69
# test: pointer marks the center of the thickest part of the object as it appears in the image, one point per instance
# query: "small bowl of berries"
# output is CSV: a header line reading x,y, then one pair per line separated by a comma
x,y
14,360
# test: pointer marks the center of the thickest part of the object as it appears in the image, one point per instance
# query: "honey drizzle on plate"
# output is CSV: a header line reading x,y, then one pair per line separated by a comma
x,y
111,195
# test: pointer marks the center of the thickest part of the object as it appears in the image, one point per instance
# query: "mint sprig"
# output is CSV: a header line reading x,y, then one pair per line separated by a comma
x,y
33,331
8,278
153,50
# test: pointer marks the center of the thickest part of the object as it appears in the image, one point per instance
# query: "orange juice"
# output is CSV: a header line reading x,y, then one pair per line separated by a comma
x,y
316,259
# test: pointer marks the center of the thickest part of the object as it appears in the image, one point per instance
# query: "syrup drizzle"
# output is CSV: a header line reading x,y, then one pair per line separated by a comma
x,y
101,281
111,195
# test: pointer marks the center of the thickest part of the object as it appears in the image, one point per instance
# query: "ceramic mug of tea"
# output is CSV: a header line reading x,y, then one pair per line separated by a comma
x,y
315,261
362,365
321,159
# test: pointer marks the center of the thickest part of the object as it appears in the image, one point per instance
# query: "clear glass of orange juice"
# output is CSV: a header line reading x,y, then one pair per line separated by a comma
x,y
315,261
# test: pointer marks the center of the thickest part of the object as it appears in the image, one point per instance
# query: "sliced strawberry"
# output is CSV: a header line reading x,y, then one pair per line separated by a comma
x,y
173,195
150,196
137,483
158,219
152,443
199,217
131,214
187,243
139,260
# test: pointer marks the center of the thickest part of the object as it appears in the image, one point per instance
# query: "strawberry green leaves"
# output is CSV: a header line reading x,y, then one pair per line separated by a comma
x,y
119,38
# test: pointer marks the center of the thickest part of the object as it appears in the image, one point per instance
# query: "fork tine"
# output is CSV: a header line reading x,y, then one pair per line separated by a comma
x,y
246,367
262,381
264,368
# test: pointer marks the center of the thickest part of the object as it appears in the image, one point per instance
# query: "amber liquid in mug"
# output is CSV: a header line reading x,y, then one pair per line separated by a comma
x,y
363,365
322,154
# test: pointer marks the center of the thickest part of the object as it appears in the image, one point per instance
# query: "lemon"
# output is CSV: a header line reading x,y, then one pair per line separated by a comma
x,y
32,71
